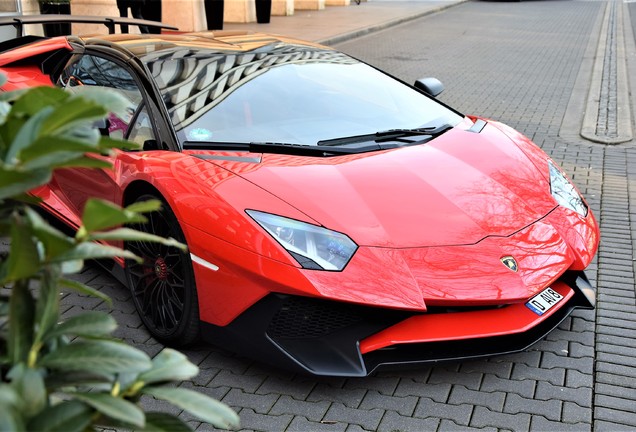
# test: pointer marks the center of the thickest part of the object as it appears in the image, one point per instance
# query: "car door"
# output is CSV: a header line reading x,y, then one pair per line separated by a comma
x,y
74,186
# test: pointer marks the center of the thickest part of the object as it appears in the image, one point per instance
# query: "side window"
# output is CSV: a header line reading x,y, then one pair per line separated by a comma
x,y
140,130
90,70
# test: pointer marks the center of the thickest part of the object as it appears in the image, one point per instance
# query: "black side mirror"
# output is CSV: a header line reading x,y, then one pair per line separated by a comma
x,y
430,86
151,144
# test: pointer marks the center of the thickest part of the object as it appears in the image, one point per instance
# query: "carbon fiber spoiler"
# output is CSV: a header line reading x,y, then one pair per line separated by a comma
x,y
19,21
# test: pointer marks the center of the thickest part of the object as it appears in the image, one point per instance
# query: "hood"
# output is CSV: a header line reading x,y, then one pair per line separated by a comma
x,y
454,190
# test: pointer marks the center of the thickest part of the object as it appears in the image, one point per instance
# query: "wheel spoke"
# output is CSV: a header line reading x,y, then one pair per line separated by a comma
x,y
162,285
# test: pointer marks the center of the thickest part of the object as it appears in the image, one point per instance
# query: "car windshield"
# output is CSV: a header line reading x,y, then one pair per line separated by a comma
x,y
306,97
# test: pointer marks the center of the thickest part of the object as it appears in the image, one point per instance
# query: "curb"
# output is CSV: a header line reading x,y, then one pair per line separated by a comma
x,y
382,26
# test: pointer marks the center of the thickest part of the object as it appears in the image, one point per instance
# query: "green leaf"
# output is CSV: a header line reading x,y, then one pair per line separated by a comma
x,y
8,396
22,312
5,107
24,258
72,267
48,304
54,241
84,162
68,115
49,146
58,380
114,408
203,407
164,422
169,365
67,416
10,420
27,134
38,98
89,324
84,289
99,215
113,101
85,251
106,143
29,384
105,356
128,234
145,206
14,183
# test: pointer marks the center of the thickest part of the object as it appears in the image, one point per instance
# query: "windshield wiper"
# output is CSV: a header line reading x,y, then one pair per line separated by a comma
x,y
280,148
390,135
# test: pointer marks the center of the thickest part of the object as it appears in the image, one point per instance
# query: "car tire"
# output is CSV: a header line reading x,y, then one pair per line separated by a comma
x,y
163,287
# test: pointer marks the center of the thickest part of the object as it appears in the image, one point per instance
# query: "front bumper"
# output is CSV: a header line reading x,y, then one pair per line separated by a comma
x,y
323,337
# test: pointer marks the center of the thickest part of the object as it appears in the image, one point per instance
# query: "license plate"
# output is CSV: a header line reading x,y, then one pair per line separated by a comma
x,y
544,301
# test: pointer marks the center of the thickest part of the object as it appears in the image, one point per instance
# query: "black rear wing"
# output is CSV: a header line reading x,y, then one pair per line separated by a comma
x,y
19,21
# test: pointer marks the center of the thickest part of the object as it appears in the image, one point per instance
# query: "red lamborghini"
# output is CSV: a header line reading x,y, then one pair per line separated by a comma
x,y
338,220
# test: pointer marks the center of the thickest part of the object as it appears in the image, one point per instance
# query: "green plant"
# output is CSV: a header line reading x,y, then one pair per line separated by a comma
x,y
72,375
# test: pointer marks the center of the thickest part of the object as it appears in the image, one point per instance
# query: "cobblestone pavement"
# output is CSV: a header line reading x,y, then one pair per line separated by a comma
x,y
520,63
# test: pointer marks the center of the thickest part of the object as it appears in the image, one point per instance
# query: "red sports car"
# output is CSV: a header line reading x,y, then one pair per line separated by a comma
x,y
338,219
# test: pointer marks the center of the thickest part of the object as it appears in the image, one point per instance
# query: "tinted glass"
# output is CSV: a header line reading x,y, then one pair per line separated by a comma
x,y
89,70
279,96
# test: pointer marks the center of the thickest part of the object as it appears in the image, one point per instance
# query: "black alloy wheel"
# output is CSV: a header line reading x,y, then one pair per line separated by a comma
x,y
163,286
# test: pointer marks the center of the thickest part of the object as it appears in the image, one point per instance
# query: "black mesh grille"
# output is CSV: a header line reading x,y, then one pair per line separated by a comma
x,y
301,317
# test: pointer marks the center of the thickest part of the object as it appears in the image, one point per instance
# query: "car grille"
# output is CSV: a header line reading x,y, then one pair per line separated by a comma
x,y
302,317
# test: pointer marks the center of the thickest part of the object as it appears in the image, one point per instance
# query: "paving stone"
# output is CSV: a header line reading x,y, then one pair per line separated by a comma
x,y
295,388
462,395
615,340
261,404
500,369
528,358
459,414
582,396
392,422
217,393
555,375
550,409
620,350
539,423
578,350
613,415
258,422
383,385
403,405
616,380
450,426
350,398
525,388
616,403
355,428
247,383
483,417
622,370
368,419
313,411
469,380
228,362
577,414
608,426
437,392
301,424
553,361
616,359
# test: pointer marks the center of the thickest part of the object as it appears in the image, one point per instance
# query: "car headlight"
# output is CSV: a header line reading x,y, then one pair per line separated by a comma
x,y
564,192
314,247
